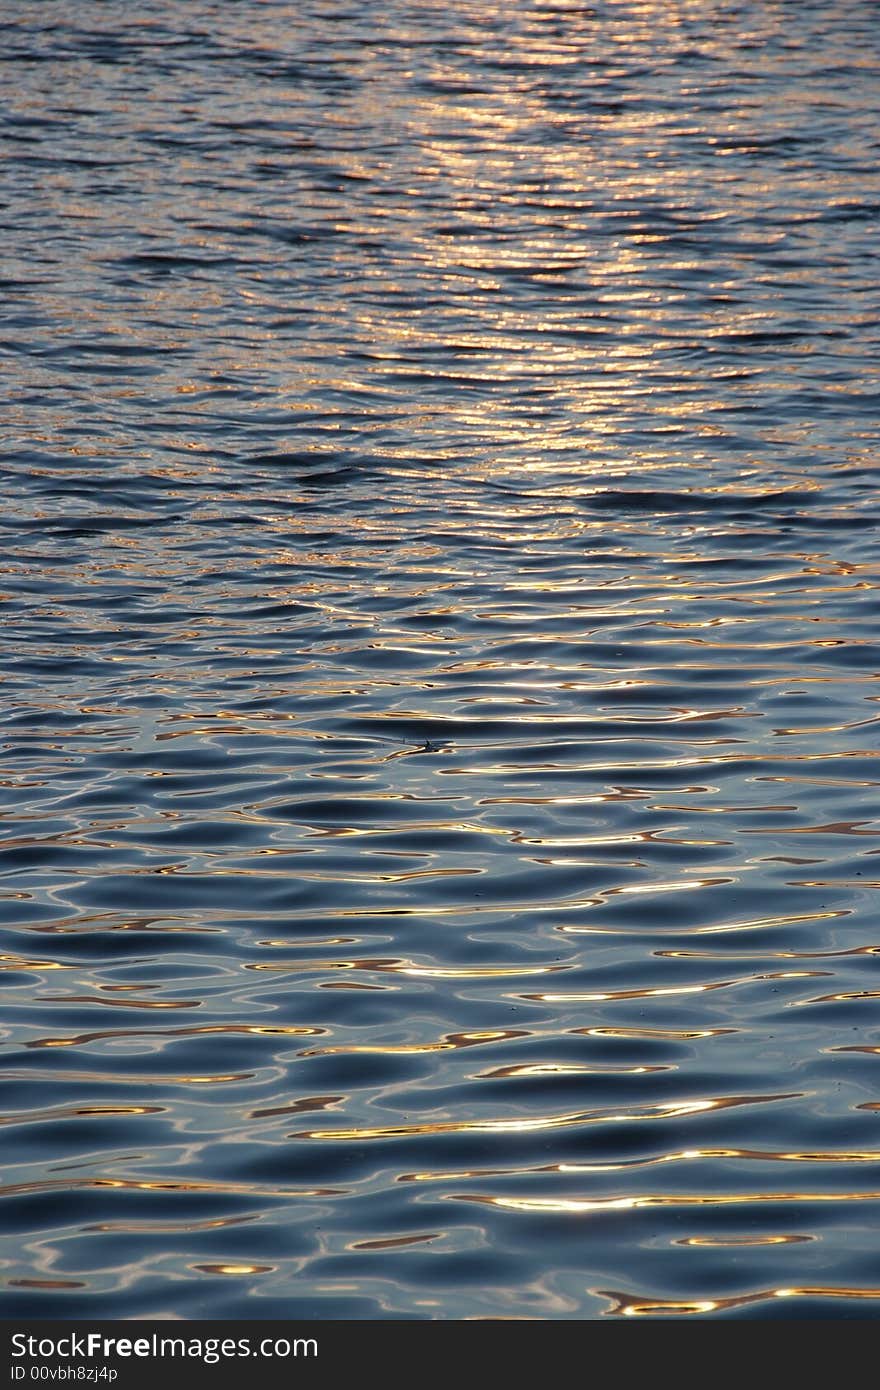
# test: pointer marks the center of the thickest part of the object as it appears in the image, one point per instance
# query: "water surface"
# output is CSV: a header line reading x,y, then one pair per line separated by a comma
x,y
440,600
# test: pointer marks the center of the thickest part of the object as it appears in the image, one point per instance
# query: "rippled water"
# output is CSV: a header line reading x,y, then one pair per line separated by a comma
x,y
440,689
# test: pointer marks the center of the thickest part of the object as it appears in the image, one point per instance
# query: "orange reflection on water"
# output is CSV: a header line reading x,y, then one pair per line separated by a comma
x,y
69,1112
633,1164
352,984
664,1111
773,955
12,962
632,1305
406,967
129,1002
843,827
845,997
675,1034
571,1069
168,1227
759,1155
672,989
143,1079
445,1044
166,1185
296,1107
575,1205
80,1038
723,1242
394,1242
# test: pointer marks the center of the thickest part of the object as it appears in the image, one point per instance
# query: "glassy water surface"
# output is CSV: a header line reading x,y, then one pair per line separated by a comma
x,y
439,580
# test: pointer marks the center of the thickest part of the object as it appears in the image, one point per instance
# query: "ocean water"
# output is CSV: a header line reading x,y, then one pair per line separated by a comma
x,y
439,577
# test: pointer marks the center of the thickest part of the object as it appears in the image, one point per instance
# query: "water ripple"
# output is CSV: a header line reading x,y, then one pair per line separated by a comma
x,y
439,749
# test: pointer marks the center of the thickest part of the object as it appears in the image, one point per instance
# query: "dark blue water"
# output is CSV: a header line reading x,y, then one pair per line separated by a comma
x,y
440,685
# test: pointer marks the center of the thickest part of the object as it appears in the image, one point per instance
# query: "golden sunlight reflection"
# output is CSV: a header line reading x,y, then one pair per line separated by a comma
x,y
734,1242
395,1242
134,1227
11,962
633,1305
662,1111
64,1112
771,955
81,1039
129,1002
688,1156
670,989
445,1044
219,1188
572,1069
576,1205
674,1034
297,1107
144,1078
